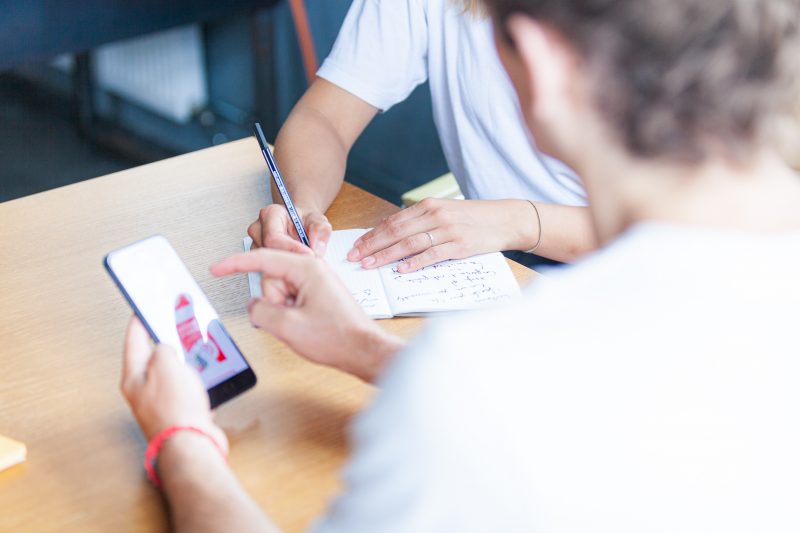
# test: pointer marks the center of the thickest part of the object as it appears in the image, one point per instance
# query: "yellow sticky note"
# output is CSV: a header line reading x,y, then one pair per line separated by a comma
x,y
11,452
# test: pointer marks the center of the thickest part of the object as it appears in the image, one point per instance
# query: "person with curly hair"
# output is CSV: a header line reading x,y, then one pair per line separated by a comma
x,y
675,407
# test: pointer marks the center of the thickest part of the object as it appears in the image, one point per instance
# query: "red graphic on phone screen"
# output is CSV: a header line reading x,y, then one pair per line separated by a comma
x,y
198,351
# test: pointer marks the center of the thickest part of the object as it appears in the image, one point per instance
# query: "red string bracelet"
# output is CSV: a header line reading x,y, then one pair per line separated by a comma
x,y
157,442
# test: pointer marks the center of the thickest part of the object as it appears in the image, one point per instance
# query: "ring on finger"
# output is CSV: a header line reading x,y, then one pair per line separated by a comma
x,y
428,233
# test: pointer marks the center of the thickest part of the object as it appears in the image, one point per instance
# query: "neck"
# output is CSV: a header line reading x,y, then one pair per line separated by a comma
x,y
761,196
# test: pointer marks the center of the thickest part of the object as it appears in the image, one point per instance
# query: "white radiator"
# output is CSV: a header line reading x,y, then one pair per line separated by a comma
x,y
162,72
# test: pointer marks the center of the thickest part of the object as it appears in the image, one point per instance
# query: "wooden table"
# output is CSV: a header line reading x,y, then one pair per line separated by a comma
x,y
61,331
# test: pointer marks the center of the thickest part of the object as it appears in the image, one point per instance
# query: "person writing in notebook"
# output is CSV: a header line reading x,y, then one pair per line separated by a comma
x,y
675,409
517,198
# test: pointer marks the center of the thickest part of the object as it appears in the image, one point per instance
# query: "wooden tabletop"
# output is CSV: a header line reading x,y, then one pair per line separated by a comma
x,y
61,330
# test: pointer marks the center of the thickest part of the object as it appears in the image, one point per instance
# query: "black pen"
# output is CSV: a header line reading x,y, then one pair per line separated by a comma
x,y
276,175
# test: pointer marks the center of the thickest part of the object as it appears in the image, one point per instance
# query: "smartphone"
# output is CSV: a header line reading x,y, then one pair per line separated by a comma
x,y
176,312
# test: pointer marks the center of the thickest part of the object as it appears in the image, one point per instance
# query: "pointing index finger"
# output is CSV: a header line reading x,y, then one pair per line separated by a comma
x,y
271,263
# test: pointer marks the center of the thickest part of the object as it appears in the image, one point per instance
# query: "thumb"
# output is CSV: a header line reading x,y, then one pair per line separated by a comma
x,y
171,369
136,355
163,363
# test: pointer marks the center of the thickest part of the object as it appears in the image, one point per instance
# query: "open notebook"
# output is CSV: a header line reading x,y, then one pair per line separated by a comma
x,y
448,286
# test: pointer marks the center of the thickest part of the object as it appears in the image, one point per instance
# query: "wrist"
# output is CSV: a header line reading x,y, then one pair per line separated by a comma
x,y
302,204
373,349
306,208
183,451
527,223
184,446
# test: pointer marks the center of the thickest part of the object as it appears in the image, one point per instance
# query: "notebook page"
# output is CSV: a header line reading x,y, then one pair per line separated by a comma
x,y
365,285
453,285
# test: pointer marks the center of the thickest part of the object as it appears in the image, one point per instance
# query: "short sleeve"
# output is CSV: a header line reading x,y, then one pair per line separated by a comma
x,y
381,52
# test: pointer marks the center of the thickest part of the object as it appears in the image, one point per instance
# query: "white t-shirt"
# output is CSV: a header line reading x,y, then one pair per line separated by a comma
x,y
387,47
655,387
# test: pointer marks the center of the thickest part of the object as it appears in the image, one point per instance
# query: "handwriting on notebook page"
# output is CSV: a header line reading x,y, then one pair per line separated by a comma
x,y
367,298
451,285
468,281
365,286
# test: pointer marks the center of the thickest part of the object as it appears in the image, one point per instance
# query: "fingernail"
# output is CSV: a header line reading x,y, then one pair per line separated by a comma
x,y
402,267
369,261
320,248
353,254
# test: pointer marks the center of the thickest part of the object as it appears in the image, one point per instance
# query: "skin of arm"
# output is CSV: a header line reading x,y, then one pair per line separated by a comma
x,y
567,232
313,144
203,493
311,151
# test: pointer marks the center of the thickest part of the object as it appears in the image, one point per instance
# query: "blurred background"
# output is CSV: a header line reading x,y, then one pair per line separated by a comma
x,y
93,87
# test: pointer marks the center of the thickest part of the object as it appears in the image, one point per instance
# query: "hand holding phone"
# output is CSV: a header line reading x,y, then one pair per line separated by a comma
x,y
161,390
176,312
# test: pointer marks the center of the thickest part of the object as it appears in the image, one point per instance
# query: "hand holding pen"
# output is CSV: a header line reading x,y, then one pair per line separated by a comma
x,y
284,226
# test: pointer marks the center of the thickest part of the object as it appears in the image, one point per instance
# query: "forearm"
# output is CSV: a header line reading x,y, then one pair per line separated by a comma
x,y
566,232
312,160
203,493
314,142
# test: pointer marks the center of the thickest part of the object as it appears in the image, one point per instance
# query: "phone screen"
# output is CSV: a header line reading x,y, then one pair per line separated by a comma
x,y
177,313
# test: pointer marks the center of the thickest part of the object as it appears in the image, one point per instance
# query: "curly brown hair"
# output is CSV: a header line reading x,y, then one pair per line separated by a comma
x,y
683,79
